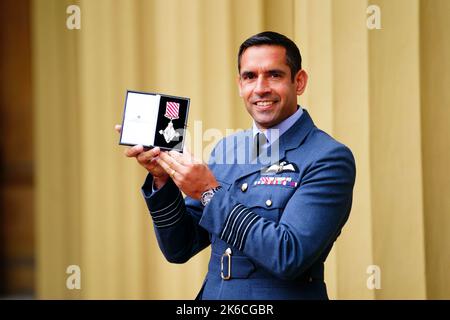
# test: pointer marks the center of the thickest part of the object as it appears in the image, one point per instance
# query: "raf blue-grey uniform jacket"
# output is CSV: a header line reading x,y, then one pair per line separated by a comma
x,y
279,225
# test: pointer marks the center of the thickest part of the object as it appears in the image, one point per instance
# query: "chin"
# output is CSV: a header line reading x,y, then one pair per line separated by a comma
x,y
265,123
265,116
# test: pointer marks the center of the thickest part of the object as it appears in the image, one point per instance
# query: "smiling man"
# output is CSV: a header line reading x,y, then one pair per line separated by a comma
x,y
270,224
270,81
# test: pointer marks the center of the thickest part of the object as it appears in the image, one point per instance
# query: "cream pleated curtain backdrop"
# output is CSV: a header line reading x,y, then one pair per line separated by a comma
x,y
381,92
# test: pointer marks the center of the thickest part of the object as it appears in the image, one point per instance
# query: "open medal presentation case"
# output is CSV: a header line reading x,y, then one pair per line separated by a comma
x,y
154,120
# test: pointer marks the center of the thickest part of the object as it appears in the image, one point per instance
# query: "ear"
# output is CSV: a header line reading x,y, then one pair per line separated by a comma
x,y
301,79
238,81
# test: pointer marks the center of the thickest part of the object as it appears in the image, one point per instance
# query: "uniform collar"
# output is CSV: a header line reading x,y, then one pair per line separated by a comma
x,y
291,139
277,131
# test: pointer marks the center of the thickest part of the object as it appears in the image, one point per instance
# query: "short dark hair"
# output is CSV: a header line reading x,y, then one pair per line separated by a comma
x,y
293,57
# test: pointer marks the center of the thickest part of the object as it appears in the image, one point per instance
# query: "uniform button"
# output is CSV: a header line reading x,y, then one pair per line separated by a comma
x,y
268,202
244,187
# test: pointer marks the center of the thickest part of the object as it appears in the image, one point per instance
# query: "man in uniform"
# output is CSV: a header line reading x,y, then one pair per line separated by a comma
x,y
271,223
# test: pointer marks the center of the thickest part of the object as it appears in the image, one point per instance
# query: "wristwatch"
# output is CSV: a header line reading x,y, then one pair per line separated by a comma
x,y
208,195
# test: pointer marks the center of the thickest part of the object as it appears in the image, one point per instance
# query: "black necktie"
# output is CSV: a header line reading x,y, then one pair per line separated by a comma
x,y
259,142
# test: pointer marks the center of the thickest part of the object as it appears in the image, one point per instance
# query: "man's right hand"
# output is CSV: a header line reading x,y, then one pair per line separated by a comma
x,y
147,159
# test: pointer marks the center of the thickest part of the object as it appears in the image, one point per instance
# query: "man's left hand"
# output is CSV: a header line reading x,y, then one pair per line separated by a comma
x,y
192,176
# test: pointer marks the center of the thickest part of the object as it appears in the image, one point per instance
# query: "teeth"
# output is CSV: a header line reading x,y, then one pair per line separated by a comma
x,y
264,103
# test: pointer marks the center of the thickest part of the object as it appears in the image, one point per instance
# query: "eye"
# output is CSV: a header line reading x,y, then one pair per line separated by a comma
x,y
248,76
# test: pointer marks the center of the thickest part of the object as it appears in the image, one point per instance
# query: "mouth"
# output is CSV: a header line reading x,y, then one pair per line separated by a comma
x,y
264,104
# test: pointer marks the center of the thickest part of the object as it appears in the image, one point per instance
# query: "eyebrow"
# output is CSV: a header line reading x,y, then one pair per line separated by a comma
x,y
276,71
270,72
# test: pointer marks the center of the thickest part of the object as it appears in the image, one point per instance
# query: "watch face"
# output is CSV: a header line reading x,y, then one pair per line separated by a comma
x,y
209,196
206,197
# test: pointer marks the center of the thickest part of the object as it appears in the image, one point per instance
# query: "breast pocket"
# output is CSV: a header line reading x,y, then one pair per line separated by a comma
x,y
268,201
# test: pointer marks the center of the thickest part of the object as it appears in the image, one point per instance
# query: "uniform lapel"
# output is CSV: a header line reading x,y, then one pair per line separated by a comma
x,y
291,139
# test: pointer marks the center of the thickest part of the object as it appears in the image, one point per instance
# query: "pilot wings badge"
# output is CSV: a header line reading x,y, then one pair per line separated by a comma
x,y
172,112
283,166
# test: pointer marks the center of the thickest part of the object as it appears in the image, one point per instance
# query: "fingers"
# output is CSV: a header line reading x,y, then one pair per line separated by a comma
x,y
186,150
188,155
166,167
118,128
165,160
185,158
176,175
134,151
181,157
142,156
146,157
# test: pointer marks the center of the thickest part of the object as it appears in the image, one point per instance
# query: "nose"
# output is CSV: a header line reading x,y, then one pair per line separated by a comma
x,y
262,86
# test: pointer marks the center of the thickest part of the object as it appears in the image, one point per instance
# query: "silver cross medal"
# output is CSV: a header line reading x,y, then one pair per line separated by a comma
x,y
172,112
